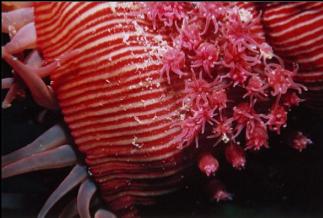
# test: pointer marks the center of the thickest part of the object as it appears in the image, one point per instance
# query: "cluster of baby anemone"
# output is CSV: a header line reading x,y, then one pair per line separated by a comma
x,y
235,86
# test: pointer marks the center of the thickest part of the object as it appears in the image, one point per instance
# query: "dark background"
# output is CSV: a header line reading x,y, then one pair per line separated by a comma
x,y
277,182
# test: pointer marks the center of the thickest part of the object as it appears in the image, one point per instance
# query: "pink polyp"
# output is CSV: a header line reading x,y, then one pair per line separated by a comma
x,y
24,39
256,135
14,20
300,141
50,139
291,99
217,191
207,25
174,61
235,156
208,164
277,118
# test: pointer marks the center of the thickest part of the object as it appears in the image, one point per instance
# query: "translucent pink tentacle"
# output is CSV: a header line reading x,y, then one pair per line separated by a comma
x,y
38,88
50,139
6,83
74,178
11,95
104,214
17,4
86,192
62,156
24,39
16,19
46,70
70,210
32,77
34,59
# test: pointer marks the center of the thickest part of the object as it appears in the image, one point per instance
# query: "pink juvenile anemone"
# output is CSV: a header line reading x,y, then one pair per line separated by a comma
x,y
166,12
198,91
235,155
207,55
243,112
280,79
291,99
218,191
189,36
300,141
238,26
219,99
256,87
222,130
208,164
173,61
191,128
195,124
256,135
211,11
240,62
277,118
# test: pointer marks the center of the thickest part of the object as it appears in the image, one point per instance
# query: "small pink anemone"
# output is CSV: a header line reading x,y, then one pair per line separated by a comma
x,y
166,12
280,79
206,56
300,141
173,61
256,135
189,36
277,118
235,155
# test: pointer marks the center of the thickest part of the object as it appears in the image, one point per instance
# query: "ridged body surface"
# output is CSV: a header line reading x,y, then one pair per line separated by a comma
x,y
295,31
119,111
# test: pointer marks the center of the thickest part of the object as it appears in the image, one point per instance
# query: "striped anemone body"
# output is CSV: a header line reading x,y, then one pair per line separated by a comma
x,y
120,112
295,31
133,123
